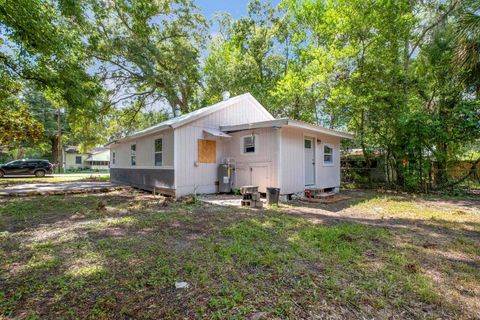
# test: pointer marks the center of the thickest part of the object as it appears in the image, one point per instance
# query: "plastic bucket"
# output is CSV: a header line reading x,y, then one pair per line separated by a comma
x,y
272,195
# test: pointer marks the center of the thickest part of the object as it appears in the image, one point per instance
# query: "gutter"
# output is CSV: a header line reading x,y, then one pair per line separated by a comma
x,y
138,135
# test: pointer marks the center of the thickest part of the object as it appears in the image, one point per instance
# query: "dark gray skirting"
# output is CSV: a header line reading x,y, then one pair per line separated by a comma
x,y
160,180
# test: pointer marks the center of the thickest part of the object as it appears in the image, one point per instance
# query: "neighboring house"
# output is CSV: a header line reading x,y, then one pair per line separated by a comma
x,y
96,159
182,155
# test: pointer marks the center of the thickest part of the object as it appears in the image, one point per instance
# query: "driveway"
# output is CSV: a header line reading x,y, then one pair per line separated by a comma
x,y
59,188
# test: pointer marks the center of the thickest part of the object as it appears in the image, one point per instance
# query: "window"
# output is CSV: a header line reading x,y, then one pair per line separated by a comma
x,y
308,144
207,151
327,154
113,157
78,160
133,154
249,143
158,152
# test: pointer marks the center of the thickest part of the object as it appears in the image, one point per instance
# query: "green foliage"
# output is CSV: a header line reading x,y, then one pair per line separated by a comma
x,y
244,57
149,51
17,124
402,75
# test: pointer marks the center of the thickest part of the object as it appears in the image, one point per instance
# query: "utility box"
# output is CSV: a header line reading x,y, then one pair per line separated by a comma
x,y
225,174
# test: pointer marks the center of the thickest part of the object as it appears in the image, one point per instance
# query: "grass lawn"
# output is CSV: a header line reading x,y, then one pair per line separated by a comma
x,y
4,182
118,255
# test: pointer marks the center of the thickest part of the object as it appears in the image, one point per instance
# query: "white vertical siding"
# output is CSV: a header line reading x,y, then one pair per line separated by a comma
x,y
259,168
202,178
327,176
145,151
292,170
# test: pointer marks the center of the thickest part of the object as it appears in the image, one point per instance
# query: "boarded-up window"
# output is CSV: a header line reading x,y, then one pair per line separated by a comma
x,y
207,151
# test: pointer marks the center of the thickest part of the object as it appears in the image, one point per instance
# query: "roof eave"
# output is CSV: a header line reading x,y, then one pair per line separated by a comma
x,y
139,135
286,122
331,132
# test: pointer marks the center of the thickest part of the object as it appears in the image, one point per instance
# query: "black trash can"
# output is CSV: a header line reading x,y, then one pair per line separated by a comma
x,y
272,195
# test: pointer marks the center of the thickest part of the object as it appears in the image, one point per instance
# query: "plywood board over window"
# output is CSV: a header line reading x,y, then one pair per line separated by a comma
x,y
207,151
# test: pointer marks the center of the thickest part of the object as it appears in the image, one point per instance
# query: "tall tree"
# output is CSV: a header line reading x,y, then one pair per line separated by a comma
x,y
44,46
148,51
244,58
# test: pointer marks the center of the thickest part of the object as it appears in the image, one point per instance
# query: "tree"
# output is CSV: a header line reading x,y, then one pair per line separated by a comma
x,y
44,47
17,125
467,44
148,51
244,58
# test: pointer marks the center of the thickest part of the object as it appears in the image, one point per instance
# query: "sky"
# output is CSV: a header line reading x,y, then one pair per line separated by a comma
x,y
236,8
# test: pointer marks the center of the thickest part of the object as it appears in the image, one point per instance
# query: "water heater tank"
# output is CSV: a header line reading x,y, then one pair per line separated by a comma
x,y
225,173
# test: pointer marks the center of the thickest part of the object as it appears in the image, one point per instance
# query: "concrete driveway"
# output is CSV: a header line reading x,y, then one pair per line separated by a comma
x,y
59,188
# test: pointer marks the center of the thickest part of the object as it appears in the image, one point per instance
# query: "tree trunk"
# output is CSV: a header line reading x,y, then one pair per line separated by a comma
x,y
54,141
441,165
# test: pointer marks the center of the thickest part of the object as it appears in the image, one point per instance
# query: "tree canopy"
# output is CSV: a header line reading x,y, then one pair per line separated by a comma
x,y
402,75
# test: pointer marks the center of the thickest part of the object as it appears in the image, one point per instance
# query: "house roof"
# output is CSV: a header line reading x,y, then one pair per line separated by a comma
x,y
192,116
70,149
99,155
278,123
75,149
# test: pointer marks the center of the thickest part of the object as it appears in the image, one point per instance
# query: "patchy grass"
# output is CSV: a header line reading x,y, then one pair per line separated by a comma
x,y
4,182
119,255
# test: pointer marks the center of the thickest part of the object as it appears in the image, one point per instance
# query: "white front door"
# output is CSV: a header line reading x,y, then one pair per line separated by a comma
x,y
309,161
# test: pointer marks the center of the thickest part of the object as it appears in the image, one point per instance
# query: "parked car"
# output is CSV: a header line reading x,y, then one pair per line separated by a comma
x,y
39,168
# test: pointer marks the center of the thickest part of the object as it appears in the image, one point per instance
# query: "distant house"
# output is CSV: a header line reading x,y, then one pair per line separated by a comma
x,y
96,159
183,155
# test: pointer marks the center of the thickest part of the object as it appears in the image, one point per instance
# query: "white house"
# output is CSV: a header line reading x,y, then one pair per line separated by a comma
x,y
181,156
96,159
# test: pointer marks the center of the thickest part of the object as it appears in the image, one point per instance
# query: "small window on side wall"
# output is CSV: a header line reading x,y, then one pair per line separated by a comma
x,y
78,160
207,151
249,144
327,154
133,154
113,157
158,152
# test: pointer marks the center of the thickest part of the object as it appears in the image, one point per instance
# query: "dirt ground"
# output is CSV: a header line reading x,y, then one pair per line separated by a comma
x,y
119,255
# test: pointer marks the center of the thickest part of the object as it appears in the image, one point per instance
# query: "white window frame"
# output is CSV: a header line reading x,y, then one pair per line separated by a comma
x,y
155,151
133,155
331,163
255,144
113,157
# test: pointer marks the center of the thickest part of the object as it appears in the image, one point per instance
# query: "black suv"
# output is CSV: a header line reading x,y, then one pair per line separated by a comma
x,y
39,168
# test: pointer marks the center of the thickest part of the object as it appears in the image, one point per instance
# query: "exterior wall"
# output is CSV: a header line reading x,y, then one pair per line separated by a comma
x,y
69,161
98,167
145,175
145,152
327,176
292,171
160,180
202,178
259,168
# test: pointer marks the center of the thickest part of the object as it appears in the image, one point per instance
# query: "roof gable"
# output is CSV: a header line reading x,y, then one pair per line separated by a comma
x,y
197,114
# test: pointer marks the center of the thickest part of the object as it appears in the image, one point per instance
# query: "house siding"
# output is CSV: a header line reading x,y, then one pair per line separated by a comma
x,y
202,178
69,161
292,171
145,152
259,168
